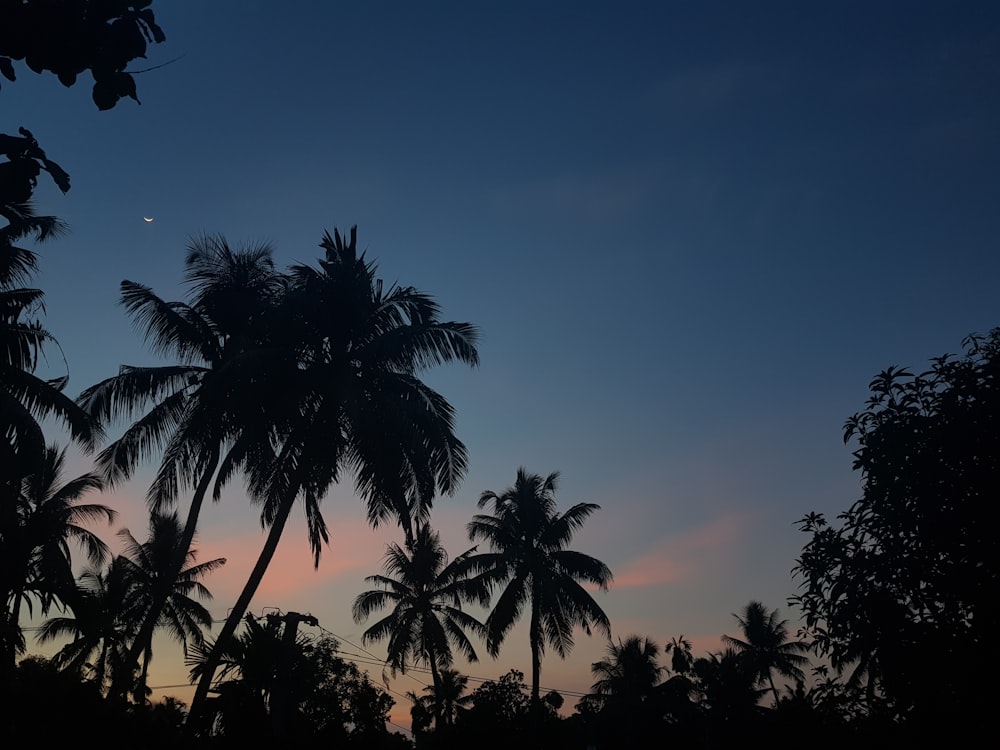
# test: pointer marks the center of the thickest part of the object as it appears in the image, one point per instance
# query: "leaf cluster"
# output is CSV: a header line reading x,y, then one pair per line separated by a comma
x,y
915,561
69,37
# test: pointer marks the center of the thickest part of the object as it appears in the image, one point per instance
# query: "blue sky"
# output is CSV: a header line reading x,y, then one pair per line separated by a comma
x,y
689,233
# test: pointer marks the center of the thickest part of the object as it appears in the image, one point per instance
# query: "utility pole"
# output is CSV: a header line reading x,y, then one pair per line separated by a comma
x,y
281,693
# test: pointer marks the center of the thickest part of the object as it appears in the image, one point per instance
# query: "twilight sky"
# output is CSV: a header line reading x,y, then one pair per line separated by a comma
x,y
690,235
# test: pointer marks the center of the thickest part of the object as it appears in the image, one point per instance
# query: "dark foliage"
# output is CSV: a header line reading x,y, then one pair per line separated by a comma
x,y
901,595
70,37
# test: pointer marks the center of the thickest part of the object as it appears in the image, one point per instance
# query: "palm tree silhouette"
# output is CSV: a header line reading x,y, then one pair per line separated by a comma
x,y
426,593
630,672
36,531
26,398
200,412
352,400
148,566
532,565
765,647
99,626
442,702
681,657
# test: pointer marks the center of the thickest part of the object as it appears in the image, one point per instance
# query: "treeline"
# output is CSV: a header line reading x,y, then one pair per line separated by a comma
x,y
294,379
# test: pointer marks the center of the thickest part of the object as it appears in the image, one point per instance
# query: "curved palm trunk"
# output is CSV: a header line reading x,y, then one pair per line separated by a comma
x,y
236,615
144,638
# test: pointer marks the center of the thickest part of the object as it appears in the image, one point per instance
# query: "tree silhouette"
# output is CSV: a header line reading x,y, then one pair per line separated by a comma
x,y
67,39
765,646
149,566
681,657
630,672
531,564
200,413
426,593
915,561
36,530
100,627
350,398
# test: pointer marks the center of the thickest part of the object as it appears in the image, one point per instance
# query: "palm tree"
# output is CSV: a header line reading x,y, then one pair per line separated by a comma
x,y
681,657
147,566
530,561
765,646
630,672
426,592
201,412
26,398
100,626
352,401
36,531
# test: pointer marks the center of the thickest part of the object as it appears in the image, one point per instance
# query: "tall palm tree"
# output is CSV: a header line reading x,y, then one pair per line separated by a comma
x,y
630,672
765,646
352,401
532,565
200,412
426,593
37,528
147,566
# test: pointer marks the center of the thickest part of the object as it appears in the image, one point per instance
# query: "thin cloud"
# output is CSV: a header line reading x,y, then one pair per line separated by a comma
x,y
678,558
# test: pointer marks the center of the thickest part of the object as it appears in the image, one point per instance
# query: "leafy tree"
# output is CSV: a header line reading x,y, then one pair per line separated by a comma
x,y
765,646
352,400
331,699
901,592
69,38
426,592
532,565
36,529
728,686
501,703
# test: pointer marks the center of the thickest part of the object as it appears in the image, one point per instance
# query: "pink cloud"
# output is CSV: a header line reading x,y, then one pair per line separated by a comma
x,y
678,557
353,554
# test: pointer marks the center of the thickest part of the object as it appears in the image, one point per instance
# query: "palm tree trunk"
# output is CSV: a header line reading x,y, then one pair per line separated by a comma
x,y
239,609
436,679
535,636
144,638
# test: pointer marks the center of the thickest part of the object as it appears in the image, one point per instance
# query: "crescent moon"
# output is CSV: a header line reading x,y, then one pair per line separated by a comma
x,y
147,219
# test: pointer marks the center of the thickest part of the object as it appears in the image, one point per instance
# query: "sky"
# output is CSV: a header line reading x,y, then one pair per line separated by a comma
x,y
690,235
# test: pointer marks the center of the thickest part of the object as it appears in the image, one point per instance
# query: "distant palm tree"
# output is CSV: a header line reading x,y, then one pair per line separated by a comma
x,y
443,702
37,527
531,564
426,593
148,566
681,657
630,672
99,626
765,646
